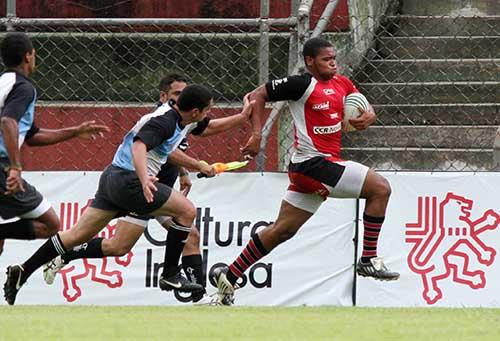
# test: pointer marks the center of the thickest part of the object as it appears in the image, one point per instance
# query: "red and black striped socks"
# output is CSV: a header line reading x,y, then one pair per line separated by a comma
x,y
370,236
250,255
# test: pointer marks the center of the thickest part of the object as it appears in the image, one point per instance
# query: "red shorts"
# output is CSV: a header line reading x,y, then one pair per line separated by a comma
x,y
324,178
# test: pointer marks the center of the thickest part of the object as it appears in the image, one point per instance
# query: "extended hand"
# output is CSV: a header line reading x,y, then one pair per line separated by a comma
x,y
252,147
185,183
89,129
148,187
367,118
247,106
14,182
208,170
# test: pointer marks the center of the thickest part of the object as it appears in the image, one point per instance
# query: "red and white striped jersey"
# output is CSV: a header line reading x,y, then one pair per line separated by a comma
x,y
317,109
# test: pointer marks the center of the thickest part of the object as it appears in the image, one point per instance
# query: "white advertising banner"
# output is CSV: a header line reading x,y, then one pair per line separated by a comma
x,y
442,234
314,268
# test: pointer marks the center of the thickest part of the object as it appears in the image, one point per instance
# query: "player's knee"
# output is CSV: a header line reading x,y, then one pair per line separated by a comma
x,y
188,215
52,228
384,188
48,226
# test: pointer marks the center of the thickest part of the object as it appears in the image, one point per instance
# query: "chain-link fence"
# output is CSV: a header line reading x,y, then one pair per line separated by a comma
x,y
433,81
110,72
435,84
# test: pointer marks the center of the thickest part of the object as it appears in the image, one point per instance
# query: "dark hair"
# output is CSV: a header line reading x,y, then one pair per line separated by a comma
x,y
194,97
312,47
14,47
166,81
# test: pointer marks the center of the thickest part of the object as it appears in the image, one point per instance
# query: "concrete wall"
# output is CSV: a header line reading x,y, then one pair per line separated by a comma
x,y
365,18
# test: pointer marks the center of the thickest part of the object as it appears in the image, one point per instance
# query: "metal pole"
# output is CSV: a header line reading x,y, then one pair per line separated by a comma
x,y
10,13
303,15
496,151
263,63
292,50
293,68
325,18
159,22
264,42
355,241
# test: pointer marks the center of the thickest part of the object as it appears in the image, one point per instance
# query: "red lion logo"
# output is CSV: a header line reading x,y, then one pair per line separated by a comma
x,y
444,239
96,268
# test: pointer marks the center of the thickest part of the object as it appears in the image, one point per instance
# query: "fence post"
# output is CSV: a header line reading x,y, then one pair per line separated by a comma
x,y
301,10
264,42
496,151
303,15
263,62
355,241
293,46
10,13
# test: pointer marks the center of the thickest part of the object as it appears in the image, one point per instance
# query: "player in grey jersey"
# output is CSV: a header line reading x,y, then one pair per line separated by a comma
x,y
131,227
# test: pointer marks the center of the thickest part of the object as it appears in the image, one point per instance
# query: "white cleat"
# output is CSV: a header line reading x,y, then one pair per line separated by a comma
x,y
225,291
51,269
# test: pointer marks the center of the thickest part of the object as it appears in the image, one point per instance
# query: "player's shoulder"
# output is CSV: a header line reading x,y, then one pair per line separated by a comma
x,y
165,113
342,79
8,78
16,81
290,80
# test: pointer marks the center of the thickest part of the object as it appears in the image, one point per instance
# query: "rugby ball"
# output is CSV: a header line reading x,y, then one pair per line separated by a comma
x,y
351,104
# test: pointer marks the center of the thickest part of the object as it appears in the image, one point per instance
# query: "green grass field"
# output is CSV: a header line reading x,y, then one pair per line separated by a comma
x,y
235,323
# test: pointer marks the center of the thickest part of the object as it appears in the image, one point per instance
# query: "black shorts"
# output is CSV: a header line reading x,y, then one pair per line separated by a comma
x,y
121,190
168,174
19,203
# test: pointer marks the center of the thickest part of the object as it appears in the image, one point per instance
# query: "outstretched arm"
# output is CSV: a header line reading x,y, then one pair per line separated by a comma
x,y
179,158
219,125
86,130
260,97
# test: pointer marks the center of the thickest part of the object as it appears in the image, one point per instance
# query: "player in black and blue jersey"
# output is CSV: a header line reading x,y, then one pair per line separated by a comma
x,y
130,228
129,185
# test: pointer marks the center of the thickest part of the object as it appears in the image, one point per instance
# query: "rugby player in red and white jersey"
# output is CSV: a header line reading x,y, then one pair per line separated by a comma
x,y
316,170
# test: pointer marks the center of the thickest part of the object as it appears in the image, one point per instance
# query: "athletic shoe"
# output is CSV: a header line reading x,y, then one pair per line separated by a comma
x,y
376,269
12,283
51,269
2,241
179,283
207,300
225,288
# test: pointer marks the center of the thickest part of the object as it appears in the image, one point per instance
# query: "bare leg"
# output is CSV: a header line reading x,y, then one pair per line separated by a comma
x,y
192,246
90,223
376,190
46,225
126,235
290,220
